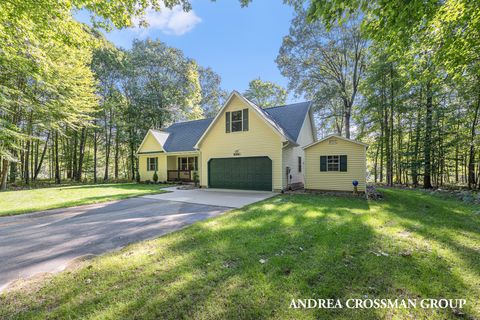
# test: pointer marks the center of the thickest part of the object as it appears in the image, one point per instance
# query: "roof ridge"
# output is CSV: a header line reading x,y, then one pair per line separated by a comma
x,y
286,105
190,121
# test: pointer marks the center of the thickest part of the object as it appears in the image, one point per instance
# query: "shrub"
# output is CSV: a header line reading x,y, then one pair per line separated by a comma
x,y
155,177
195,178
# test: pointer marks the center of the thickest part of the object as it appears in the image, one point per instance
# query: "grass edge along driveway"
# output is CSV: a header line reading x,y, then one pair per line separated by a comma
x,y
249,263
26,201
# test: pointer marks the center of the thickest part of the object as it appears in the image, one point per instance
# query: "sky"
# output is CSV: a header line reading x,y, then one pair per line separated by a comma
x,y
240,44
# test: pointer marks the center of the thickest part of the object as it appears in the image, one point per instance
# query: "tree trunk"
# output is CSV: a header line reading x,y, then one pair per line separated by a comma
x,y
13,168
57,166
471,161
392,106
347,116
427,180
81,154
117,151
416,150
37,169
132,153
382,138
3,184
35,162
74,156
387,145
375,166
108,141
26,172
95,152
28,150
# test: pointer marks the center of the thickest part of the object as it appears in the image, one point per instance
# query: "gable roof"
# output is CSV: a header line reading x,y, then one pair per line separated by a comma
x,y
335,136
286,120
290,117
184,135
262,115
159,136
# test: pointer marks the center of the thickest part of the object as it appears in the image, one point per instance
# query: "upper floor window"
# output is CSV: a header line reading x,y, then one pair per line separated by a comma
x,y
236,121
237,124
152,164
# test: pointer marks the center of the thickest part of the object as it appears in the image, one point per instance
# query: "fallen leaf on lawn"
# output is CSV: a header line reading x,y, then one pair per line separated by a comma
x,y
380,253
262,261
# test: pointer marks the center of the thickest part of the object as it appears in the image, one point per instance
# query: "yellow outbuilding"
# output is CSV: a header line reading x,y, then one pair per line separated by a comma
x,y
334,163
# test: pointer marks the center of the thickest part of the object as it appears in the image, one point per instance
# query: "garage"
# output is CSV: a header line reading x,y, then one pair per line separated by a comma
x,y
247,173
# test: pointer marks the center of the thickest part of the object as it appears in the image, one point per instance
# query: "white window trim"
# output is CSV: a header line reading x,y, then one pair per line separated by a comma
x,y
338,163
241,121
155,161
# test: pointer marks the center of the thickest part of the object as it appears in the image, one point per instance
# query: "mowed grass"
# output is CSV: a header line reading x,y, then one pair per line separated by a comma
x,y
410,245
23,201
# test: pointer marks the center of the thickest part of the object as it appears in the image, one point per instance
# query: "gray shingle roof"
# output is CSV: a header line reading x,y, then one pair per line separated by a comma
x,y
290,117
184,135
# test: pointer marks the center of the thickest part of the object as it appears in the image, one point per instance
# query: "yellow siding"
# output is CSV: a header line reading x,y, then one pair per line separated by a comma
x,y
259,140
339,181
148,175
172,163
150,144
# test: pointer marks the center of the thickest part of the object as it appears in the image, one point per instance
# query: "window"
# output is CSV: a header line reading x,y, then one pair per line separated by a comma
x,y
333,163
189,163
299,164
152,164
237,121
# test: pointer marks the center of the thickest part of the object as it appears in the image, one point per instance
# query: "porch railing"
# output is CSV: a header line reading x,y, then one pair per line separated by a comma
x,y
180,175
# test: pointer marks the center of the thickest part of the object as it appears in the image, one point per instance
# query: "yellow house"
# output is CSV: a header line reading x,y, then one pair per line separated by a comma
x,y
243,147
333,163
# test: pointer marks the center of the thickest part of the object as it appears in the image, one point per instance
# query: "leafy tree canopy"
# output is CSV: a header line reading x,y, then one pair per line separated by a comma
x,y
266,93
450,28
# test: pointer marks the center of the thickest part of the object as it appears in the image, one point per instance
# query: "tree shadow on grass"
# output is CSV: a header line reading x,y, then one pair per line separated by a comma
x,y
311,247
124,186
447,222
85,201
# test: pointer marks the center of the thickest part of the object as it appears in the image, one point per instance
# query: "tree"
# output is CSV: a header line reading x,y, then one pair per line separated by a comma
x,y
324,65
265,93
453,23
213,96
70,102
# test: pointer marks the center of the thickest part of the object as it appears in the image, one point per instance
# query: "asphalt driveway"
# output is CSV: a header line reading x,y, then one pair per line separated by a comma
x,y
47,241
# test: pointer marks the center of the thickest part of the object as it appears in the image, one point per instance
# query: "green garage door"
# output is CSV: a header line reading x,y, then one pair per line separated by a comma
x,y
253,173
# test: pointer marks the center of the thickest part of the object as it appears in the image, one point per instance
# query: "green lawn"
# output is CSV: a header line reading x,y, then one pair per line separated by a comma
x,y
410,245
23,201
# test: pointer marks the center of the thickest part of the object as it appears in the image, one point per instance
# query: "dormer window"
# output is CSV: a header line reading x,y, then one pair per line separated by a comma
x,y
236,121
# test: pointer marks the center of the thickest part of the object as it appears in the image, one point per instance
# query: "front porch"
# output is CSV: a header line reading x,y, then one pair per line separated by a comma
x,y
182,168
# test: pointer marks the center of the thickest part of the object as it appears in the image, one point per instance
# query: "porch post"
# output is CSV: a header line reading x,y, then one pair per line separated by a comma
x,y
178,167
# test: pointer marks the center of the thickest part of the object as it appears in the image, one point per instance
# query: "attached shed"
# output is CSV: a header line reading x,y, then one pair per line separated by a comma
x,y
334,162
